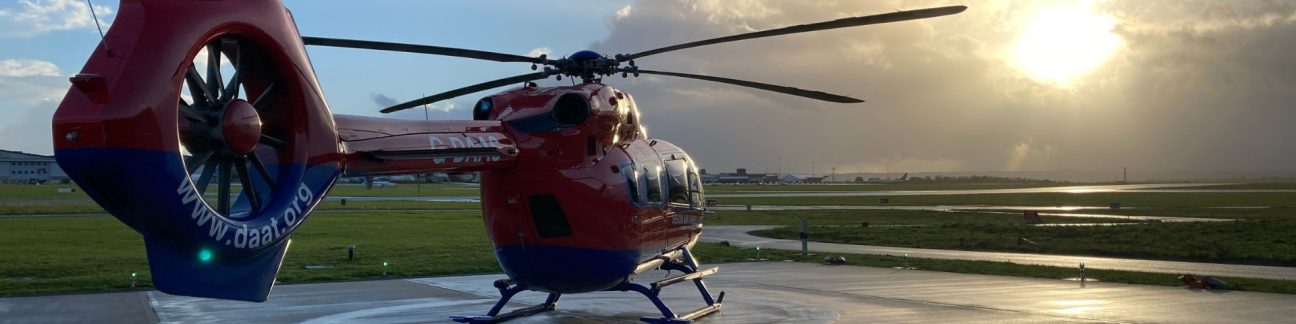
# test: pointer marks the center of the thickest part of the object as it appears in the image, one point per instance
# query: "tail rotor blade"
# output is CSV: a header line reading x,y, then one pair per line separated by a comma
x,y
820,95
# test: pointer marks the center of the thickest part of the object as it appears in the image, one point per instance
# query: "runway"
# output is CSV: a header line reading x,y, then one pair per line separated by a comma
x,y
767,292
737,236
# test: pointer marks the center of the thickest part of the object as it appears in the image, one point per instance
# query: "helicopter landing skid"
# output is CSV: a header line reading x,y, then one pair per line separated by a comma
x,y
690,272
507,289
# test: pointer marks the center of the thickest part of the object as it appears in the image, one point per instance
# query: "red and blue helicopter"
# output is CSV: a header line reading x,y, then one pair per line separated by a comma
x,y
575,196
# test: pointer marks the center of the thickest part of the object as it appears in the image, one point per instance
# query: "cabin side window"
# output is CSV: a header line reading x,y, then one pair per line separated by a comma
x,y
653,178
677,182
633,183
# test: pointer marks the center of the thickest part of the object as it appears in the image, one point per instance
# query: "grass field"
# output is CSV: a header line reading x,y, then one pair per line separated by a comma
x,y
407,190
90,254
1226,213
97,253
1098,199
1266,242
855,218
735,188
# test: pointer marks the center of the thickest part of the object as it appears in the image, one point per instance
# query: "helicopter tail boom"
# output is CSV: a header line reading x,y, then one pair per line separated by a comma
x,y
380,146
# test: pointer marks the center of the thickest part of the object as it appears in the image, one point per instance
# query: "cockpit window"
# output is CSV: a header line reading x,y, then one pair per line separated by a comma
x,y
695,189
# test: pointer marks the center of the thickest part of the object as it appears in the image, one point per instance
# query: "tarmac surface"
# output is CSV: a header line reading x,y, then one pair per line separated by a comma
x,y
738,236
765,292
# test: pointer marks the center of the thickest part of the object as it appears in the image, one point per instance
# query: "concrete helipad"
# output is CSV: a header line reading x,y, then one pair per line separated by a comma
x,y
767,292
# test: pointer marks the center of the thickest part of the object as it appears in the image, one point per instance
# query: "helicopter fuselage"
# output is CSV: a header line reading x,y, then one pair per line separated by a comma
x,y
574,196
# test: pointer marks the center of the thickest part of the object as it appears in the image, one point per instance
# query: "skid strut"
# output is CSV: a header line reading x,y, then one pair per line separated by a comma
x,y
690,271
507,289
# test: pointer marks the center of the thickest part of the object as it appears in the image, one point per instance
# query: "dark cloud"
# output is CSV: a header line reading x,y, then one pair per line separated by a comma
x,y
382,100
1187,93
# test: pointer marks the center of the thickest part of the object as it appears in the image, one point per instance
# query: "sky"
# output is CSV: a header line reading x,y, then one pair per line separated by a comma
x,y
1005,86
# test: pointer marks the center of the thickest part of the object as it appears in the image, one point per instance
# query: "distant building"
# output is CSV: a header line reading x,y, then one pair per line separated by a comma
x,y
795,178
19,167
741,176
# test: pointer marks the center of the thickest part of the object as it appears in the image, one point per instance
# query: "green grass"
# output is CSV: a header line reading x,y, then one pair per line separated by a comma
x,y
719,253
97,254
1229,213
407,190
86,206
1267,242
50,208
45,191
68,254
1102,199
1254,186
397,205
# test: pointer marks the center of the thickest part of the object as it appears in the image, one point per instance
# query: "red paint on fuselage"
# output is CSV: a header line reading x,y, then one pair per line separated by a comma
x,y
600,171
604,191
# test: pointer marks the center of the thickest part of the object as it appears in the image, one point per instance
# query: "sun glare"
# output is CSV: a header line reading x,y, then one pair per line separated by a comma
x,y
1060,43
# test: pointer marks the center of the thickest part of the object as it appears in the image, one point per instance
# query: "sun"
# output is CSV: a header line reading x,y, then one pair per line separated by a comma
x,y
1060,43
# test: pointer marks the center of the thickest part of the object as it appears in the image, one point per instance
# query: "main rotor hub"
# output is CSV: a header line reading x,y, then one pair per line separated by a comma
x,y
241,127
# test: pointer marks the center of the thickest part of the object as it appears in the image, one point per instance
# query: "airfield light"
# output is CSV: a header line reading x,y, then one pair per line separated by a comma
x,y
384,268
205,255
133,279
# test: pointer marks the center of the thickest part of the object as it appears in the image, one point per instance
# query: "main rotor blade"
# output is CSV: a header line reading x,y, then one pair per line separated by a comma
x,y
839,23
763,86
423,49
469,89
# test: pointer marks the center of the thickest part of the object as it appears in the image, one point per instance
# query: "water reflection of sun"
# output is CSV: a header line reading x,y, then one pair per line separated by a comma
x,y
1059,43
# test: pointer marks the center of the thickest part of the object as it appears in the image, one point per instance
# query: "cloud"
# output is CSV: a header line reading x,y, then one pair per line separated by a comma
x,y
29,92
1197,85
444,107
624,12
540,50
26,68
35,17
382,100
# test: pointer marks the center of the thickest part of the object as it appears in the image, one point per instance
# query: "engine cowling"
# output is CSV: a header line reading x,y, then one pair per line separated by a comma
x,y
150,135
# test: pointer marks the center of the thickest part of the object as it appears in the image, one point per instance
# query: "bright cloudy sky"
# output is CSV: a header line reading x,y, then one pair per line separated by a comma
x,y
1005,86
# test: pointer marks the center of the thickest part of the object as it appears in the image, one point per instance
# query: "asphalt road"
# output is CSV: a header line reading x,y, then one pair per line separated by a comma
x,y
737,236
1149,187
